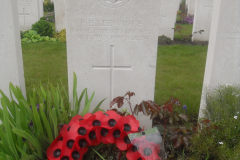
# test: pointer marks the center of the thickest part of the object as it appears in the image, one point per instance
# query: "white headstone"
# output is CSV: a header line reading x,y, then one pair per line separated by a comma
x,y
29,13
11,68
168,15
186,2
41,10
223,58
59,8
112,47
191,7
202,19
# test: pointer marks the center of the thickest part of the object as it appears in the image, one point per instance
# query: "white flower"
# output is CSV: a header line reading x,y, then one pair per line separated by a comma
x,y
237,112
220,142
235,117
237,95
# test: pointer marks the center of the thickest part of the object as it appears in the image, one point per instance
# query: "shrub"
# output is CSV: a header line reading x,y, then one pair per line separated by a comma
x,y
163,40
223,108
43,28
50,17
61,35
32,36
22,33
48,6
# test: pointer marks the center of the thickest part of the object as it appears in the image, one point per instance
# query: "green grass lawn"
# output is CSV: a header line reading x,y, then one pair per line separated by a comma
x,y
44,62
187,30
180,70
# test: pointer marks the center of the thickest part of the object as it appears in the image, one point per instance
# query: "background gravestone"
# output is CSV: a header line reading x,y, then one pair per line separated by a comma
x,y
41,9
11,68
59,8
112,47
202,19
168,15
191,7
223,58
29,13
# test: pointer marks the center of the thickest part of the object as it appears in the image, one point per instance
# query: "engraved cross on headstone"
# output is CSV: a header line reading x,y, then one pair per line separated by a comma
x,y
162,16
24,15
112,67
210,8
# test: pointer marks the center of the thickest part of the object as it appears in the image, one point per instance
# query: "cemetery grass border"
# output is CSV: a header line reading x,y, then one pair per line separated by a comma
x,y
180,71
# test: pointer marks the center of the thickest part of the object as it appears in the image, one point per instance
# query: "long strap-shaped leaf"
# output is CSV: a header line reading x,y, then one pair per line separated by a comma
x,y
46,125
31,139
87,106
97,107
9,135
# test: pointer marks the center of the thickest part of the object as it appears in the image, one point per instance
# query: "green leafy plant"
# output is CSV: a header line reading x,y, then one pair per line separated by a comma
x,y
43,28
31,36
61,35
45,110
223,108
185,38
163,40
48,6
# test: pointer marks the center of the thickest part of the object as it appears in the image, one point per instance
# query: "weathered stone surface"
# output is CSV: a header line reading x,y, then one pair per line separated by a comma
x,y
222,65
202,19
29,13
168,15
191,7
112,47
59,8
11,68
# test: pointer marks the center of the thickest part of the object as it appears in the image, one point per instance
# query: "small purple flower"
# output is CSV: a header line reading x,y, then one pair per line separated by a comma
x,y
184,107
30,124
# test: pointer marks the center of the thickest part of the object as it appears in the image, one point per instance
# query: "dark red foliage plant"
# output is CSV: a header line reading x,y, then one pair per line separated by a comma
x,y
169,118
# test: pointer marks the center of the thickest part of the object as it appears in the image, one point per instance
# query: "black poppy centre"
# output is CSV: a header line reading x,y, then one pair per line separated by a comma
x,y
82,131
70,143
75,155
65,158
92,135
96,123
104,132
127,140
134,148
116,133
127,127
57,153
82,143
112,122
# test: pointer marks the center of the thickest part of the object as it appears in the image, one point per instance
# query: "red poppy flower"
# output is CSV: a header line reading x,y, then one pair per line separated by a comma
x,y
96,121
117,130
132,125
77,154
86,116
94,136
81,144
75,119
63,129
55,149
110,119
143,149
124,142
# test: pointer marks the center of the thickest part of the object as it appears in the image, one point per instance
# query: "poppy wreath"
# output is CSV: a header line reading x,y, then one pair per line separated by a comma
x,y
93,129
